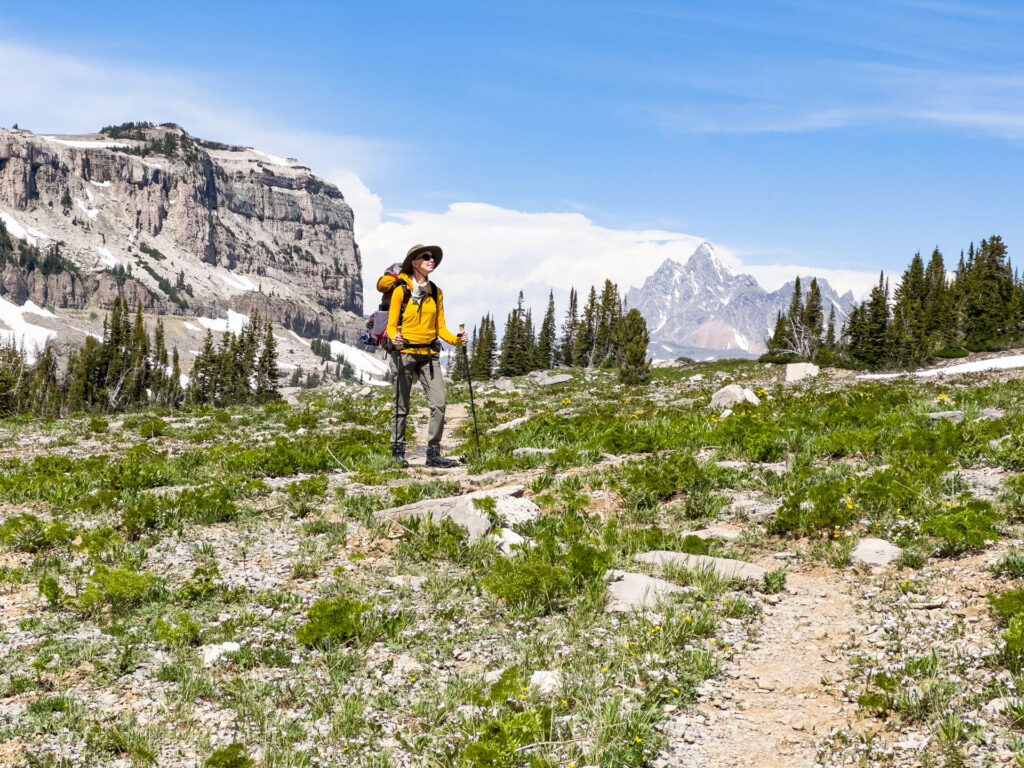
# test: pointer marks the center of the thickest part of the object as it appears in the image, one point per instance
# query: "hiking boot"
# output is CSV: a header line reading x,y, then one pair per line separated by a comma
x,y
398,454
435,459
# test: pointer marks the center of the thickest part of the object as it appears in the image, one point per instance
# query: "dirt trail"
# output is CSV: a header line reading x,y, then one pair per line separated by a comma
x,y
771,707
454,415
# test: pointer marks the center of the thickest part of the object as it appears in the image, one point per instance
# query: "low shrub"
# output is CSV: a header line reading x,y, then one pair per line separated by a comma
x,y
1012,652
1007,605
1010,564
231,756
120,589
27,533
340,621
966,527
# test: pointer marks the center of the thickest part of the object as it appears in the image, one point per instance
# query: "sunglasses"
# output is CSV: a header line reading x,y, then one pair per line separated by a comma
x,y
426,257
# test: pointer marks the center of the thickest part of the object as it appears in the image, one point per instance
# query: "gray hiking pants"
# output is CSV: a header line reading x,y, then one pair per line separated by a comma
x,y
404,368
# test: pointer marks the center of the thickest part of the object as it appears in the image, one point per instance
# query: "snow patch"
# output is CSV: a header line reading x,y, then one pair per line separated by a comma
x,y
234,322
85,144
92,213
99,183
363,362
29,234
975,366
238,281
274,158
190,327
86,333
108,258
23,334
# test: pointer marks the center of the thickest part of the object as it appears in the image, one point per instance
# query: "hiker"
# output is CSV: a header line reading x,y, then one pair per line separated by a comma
x,y
415,328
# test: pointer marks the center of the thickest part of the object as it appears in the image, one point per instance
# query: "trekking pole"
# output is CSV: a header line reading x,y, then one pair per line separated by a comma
x,y
469,380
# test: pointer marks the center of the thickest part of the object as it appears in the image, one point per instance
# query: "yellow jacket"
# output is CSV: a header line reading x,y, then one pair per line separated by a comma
x,y
421,323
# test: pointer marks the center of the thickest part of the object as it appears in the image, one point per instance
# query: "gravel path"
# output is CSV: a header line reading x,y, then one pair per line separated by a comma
x,y
775,702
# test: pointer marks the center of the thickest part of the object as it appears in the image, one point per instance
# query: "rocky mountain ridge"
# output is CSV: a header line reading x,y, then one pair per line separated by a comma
x,y
188,227
703,309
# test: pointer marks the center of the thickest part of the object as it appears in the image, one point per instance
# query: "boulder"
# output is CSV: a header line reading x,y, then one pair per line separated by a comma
x,y
724,567
636,591
363,393
800,371
213,652
505,385
508,540
954,416
560,378
510,506
714,532
992,414
733,394
875,552
697,377
509,425
546,681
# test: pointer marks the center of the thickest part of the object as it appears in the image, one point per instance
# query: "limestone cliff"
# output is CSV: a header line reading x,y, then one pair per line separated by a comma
x,y
188,227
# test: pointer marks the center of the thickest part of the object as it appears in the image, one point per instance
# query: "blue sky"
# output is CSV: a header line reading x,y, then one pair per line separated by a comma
x,y
827,135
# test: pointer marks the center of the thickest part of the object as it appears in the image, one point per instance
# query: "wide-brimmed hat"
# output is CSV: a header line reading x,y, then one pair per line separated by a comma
x,y
418,250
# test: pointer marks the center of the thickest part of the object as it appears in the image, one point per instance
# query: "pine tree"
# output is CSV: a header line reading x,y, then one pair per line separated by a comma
x,y
266,366
633,338
570,327
910,343
609,310
546,340
583,348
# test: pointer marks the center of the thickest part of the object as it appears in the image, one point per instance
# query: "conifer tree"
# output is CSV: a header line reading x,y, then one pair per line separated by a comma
x,y
632,340
569,330
609,311
909,338
546,340
583,348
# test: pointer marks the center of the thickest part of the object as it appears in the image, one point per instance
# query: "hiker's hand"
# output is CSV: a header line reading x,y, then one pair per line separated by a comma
x,y
398,341
463,338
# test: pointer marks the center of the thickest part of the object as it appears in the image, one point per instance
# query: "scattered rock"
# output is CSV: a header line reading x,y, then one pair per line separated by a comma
x,y
724,567
525,450
733,394
698,377
509,425
992,414
875,552
927,605
415,583
505,385
636,591
545,681
996,706
801,371
213,652
560,378
954,416
487,478
508,540
510,506
715,532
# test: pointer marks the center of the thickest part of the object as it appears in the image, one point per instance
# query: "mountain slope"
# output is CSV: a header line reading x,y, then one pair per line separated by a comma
x,y
188,227
703,309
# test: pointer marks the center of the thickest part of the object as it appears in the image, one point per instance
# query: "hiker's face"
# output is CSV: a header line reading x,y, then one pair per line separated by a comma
x,y
424,263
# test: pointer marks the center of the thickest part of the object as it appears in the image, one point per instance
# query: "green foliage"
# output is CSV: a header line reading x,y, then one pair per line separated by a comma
x,y
1007,605
51,590
964,528
118,588
632,339
27,533
1012,653
427,541
774,581
340,621
153,427
499,739
822,508
231,756
1010,564
542,578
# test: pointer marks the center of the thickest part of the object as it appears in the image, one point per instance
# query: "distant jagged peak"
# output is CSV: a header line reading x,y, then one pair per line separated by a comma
x,y
705,255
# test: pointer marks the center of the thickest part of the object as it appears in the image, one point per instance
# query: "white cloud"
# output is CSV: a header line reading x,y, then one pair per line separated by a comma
x,y
492,253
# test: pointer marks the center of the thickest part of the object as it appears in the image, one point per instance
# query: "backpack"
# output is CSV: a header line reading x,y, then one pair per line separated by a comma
x,y
377,324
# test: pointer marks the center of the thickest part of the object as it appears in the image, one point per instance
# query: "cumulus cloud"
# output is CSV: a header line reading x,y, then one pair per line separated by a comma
x,y
492,253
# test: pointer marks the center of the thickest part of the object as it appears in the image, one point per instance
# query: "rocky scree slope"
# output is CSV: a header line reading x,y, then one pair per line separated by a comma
x,y
195,228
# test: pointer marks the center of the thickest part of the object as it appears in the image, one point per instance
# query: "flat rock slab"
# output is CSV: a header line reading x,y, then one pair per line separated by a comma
x,y
731,395
875,552
992,414
800,371
509,425
526,450
561,378
509,506
714,532
954,416
724,567
504,385
636,591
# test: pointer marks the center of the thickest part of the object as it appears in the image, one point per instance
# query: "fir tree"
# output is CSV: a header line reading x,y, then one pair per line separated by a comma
x,y
583,348
546,340
569,330
632,340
